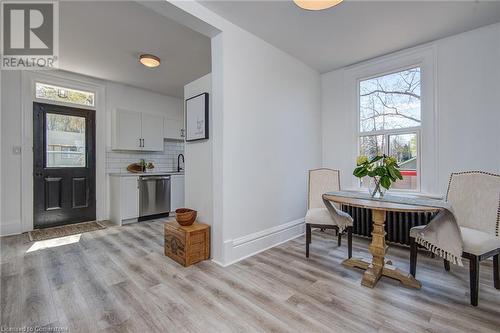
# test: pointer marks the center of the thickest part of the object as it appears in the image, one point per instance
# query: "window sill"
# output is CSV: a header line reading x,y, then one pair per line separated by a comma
x,y
402,193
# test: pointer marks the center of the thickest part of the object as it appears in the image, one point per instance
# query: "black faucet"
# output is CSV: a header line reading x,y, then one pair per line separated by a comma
x,y
179,163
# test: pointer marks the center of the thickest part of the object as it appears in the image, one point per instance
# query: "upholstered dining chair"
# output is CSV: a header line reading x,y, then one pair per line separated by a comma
x,y
475,198
322,181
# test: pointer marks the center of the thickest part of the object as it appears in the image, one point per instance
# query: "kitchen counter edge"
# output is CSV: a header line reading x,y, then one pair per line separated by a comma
x,y
140,174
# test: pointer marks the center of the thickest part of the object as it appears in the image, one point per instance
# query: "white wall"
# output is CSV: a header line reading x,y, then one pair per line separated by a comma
x,y
11,163
336,126
266,109
117,95
467,106
469,102
198,156
271,139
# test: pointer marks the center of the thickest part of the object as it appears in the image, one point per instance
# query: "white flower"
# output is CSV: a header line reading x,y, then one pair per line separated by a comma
x,y
362,159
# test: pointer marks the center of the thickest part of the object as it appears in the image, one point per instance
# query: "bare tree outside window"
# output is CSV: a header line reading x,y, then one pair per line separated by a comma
x,y
390,120
65,95
66,141
391,101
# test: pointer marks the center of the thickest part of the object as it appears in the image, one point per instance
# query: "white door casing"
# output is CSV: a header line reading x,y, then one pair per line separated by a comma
x,y
61,79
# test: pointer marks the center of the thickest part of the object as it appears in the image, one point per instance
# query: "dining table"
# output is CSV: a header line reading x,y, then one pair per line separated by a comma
x,y
379,266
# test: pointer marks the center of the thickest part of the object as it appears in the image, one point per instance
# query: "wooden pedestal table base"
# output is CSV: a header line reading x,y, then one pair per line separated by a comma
x,y
378,267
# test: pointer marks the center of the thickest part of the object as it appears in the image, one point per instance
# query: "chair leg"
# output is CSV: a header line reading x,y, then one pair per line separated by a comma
x,y
339,236
474,280
349,242
413,256
496,273
446,265
308,238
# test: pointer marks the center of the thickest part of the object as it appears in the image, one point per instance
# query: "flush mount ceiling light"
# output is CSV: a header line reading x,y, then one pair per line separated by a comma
x,y
149,60
316,4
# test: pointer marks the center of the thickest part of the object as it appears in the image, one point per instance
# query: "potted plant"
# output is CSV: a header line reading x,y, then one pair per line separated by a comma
x,y
383,171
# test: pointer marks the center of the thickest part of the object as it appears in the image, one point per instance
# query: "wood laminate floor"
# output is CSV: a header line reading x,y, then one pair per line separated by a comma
x,y
117,280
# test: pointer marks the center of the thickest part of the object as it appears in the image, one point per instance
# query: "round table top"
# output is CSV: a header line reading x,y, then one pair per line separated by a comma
x,y
387,203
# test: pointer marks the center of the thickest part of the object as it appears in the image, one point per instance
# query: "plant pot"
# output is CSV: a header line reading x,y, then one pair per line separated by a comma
x,y
185,216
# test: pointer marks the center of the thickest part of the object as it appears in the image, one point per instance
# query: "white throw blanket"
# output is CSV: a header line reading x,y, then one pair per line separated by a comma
x,y
341,218
441,236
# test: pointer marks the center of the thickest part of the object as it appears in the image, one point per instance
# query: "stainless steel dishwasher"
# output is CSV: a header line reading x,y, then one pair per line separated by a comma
x,y
154,196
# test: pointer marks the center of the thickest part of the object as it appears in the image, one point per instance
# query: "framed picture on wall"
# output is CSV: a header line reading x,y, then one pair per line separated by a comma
x,y
197,117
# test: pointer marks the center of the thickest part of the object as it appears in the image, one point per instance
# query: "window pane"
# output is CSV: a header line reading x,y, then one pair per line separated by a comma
x,y
371,145
404,148
65,141
390,101
60,94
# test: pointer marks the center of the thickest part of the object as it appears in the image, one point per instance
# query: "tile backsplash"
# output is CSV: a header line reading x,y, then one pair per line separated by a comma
x,y
117,161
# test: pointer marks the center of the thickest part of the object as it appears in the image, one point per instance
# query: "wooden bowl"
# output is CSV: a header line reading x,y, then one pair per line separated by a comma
x,y
134,167
185,216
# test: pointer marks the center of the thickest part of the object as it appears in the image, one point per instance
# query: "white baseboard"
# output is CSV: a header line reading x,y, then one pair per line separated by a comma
x,y
10,228
249,245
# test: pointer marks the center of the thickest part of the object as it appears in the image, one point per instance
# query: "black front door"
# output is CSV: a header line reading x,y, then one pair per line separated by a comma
x,y
63,165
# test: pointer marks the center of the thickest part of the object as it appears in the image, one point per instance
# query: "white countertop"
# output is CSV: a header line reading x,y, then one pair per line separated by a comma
x,y
138,174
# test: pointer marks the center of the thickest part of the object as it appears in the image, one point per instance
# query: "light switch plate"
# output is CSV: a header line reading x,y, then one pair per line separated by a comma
x,y
16,150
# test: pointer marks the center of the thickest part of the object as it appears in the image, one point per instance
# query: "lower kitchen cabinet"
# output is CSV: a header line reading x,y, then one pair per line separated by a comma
x,y
124,199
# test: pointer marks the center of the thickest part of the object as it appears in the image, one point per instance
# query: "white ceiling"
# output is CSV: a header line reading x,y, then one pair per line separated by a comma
x,y
104,39
354,30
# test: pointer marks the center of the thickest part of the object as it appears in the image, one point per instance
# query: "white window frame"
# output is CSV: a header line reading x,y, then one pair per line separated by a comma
x,y
388,132
425,58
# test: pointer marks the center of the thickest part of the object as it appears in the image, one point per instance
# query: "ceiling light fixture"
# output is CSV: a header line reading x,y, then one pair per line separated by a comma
x,y
149,60
316,4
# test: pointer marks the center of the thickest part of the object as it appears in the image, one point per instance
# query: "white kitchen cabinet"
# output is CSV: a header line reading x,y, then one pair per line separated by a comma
x,y
127,131
137,131
124,199
176,192
152,132
174,128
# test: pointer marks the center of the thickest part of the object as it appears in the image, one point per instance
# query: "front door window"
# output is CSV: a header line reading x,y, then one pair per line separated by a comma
x,y
65,141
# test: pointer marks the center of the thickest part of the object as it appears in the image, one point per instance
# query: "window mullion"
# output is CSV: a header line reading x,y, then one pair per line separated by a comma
x,y
386,148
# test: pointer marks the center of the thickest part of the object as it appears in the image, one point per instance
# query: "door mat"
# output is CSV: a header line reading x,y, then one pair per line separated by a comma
x,y
64,230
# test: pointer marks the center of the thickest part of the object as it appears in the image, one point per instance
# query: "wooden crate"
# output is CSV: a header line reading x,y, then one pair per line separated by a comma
x,y
187,245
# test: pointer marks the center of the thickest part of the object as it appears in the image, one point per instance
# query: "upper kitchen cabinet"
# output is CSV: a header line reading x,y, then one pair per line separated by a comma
x,y
137,131
152,132
174,127
127,132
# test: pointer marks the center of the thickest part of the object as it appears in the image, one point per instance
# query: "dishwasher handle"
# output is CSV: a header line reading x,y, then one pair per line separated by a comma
x,y
147,178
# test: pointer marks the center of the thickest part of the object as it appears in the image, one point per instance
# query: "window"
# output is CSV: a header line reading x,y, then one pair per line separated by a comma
x,y
65,95
390,121
65,141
